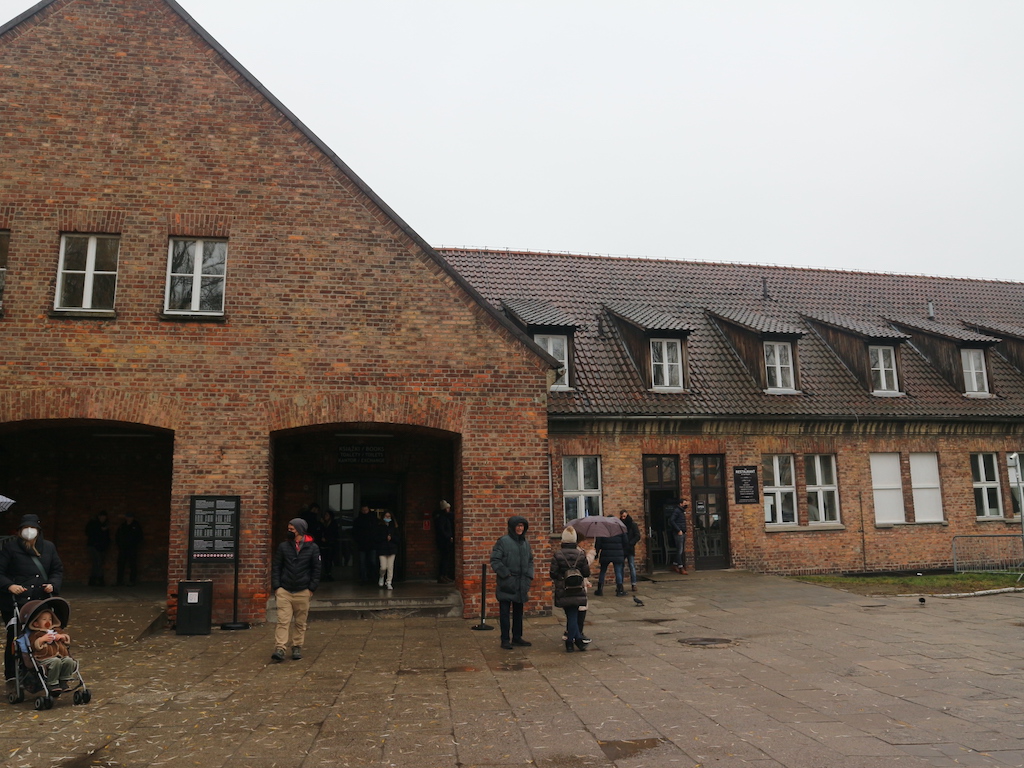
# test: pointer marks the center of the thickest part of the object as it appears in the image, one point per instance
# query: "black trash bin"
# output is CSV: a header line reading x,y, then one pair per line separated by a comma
x,y
195,607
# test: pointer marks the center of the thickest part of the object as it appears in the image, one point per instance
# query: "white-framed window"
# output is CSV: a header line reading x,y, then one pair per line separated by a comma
x,y
887,488
5,243
883,369
666,363
87,272
988,500
924,483
558,348
196,268
581,486
975,376
822,488
779,489
778,364
1015,470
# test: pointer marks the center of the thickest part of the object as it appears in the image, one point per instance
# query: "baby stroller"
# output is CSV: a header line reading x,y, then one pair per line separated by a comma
x,y
30,676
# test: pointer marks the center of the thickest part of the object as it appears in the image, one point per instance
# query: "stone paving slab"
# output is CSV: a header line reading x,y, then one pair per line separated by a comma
x,y
809,678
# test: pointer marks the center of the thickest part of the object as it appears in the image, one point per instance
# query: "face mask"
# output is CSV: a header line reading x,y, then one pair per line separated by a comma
x,y
29,534
387,519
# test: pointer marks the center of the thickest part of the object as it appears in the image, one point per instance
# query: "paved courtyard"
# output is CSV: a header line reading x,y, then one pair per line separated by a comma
x,y
721,669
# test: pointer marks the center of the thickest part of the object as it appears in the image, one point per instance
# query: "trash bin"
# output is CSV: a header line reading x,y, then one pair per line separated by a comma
x,y
195,607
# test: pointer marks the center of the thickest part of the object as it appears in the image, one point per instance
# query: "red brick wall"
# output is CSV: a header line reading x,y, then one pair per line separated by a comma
x,y
333,313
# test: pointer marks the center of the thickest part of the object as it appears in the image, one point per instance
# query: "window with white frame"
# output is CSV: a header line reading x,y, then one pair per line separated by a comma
x,y
558,348
196,269
883,369
1015,469
924,483
581,486
87,272
822,489
5,241
666,364
988,501
975,377
778,363
779,489
887,488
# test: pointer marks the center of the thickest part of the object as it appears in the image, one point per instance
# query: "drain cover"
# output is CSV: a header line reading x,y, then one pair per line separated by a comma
x,y
705,642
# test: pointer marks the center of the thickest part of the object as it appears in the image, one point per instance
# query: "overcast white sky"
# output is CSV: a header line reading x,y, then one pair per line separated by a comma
x,y
871,134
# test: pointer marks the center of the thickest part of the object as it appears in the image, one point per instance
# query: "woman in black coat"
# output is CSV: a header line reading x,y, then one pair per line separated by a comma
x,y
564,558
612,551
30,569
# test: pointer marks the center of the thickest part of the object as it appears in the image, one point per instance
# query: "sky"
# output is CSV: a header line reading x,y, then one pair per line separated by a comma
x,y
879,135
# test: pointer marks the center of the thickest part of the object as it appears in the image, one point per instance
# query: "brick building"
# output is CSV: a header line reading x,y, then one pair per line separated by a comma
x,y
200,299
819,420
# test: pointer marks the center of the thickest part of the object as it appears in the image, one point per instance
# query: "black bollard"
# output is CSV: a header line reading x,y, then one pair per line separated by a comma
x,y
483,600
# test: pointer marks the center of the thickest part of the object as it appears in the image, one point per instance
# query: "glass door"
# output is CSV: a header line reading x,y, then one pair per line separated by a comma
x,y
710,521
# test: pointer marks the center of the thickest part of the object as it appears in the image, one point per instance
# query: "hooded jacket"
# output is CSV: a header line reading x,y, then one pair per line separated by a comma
x,y
512,563
18,567
296,569
569,556
632,535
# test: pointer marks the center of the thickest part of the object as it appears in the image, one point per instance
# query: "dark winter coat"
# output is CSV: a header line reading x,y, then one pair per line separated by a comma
x,y
296,569
97,535
632,535
612,549
444,527
129,536
676,520
17,567
569,556
364,531
512,563
387,538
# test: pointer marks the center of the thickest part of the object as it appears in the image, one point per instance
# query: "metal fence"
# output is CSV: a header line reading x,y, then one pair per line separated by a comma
x,y
998,553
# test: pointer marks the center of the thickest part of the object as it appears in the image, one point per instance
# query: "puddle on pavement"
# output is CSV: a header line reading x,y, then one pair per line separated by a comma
x,y
706,642
518,666
618,750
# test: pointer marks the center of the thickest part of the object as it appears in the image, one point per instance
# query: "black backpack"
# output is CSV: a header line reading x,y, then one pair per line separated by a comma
x,y
573,580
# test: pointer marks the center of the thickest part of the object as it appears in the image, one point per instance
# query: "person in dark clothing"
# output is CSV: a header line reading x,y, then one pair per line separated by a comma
x,y
675,526
30,569
129,542
325,533
387,549
294,577
562,559
512,563
611,550
632,539
97,542
364,531
444,538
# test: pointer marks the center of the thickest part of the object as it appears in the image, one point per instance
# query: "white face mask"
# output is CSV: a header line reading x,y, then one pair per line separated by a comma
x,y
387,519
29,534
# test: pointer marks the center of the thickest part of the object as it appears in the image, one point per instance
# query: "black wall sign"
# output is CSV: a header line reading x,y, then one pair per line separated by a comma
x,y
745,481
213,529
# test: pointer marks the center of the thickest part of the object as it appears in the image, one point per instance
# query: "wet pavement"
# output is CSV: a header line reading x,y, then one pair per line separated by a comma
x,y
722,669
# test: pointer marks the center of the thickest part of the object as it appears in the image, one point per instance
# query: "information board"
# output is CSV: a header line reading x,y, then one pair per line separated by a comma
x,y
213,531
745,481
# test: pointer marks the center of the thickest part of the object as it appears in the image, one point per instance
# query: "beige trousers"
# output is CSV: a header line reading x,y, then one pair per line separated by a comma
x,y
292,612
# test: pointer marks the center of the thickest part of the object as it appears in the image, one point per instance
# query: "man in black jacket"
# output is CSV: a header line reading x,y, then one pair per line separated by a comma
x,y
294,578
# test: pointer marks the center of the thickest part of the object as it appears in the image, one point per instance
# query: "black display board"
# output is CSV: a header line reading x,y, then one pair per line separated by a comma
x,y
745,482
213,529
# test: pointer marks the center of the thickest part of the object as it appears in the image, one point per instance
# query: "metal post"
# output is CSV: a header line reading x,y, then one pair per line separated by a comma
x,y
483,600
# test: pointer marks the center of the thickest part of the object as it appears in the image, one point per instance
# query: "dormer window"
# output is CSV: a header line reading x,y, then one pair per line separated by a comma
x,y
975,375
666,364
883,370
558,348
778,365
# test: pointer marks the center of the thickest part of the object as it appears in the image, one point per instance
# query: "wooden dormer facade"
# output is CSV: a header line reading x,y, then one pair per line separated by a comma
x,y
655,342
949,348
756,338
865,349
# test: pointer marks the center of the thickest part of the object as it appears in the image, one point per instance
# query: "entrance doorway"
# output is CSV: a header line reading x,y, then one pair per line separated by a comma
x,y
345,497
710,521
661,487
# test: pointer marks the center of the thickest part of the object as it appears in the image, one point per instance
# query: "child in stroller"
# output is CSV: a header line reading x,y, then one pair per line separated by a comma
x,y
43,662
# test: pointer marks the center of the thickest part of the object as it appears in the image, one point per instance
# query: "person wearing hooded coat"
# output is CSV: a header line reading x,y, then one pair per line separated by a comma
x,y
30,569
512,563
632,539
294,577
570,556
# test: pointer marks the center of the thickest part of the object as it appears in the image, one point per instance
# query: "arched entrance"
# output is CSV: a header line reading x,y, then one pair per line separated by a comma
x,y
66,471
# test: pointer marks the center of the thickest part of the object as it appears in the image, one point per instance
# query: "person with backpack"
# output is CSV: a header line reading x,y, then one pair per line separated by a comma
x,y
569,570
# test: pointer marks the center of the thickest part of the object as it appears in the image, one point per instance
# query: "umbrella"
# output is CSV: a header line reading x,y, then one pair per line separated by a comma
x,y
596,525
5,503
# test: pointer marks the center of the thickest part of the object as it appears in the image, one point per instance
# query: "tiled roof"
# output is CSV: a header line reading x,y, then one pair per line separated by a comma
x,y
534,311
1003,329
608,384
648,317
955,332
862,327
756,321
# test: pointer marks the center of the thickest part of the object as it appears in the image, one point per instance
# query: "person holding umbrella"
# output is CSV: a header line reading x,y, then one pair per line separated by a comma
x,y
611,550
30,568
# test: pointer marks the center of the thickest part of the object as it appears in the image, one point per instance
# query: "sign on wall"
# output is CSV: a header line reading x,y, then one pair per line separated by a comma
x,y
213,528
745,482
361,454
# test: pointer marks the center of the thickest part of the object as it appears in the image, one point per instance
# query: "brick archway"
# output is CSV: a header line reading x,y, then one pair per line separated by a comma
x,y
100,404
366,407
